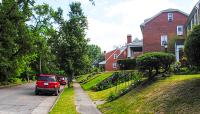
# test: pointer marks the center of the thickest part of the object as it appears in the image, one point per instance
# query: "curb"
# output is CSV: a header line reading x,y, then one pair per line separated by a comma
x,y
57,99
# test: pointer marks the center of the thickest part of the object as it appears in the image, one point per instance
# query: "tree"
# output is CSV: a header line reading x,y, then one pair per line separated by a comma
x,y
16,39
94,52
42,26
192,47
71,46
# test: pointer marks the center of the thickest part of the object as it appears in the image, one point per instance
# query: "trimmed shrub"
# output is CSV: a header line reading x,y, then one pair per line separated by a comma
x,y
192,47
126,64
155,61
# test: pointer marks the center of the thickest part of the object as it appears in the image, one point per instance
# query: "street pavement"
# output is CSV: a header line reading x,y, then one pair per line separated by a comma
x,y
22,100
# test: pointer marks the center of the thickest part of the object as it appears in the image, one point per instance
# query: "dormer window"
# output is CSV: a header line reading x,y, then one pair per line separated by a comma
x,y
170,17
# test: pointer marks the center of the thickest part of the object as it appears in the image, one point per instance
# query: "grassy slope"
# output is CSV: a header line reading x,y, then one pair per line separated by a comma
x,y
65,104
104,94
98,78
176,94
82,77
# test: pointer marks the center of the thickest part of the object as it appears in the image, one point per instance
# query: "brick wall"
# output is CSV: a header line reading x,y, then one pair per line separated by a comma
x,y
160,26
110,60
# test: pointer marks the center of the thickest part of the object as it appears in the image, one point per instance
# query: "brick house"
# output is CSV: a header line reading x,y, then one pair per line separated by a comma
x,y
158,30
131,50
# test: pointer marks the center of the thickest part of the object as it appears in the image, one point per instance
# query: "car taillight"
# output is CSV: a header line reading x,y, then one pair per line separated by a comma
x,y
55,86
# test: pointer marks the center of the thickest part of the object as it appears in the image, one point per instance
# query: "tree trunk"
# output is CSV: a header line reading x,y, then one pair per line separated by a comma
x,y
69,79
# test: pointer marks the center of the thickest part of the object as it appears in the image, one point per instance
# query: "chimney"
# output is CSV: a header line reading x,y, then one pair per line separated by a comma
x,y
129,38
104,53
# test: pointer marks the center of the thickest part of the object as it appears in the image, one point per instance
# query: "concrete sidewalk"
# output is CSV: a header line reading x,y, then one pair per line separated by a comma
x,y
84,104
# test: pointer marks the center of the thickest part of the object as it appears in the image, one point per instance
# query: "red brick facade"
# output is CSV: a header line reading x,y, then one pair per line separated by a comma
x,y
159,25
109,57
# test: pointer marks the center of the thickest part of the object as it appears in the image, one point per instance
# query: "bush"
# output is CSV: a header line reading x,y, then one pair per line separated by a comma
x,y
155,61
192,47
15,80
127,64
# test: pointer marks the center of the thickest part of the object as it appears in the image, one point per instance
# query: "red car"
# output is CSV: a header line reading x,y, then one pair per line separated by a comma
x,y
62,80
47,83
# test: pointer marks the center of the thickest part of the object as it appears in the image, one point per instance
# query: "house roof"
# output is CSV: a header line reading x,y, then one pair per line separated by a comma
x,y
164,11
137,43
102,63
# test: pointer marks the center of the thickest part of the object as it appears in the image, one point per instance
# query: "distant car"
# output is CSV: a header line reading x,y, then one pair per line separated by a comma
x,y
47,83
62,80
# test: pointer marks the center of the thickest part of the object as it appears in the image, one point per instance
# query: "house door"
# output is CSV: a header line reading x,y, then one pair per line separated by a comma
x,y
179,52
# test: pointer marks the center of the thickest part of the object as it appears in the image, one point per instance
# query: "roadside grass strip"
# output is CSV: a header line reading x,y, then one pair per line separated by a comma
x,y
173,95
66,103
97,79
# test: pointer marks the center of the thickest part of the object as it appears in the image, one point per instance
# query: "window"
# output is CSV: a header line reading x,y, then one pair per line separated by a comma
x,y
163,40
115,56
180,30
114,65
170,17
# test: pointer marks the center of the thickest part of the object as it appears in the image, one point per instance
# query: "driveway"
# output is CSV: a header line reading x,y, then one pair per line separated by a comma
x,y
22,100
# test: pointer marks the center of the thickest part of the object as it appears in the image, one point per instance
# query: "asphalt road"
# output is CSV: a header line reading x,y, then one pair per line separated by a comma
x,y
22,100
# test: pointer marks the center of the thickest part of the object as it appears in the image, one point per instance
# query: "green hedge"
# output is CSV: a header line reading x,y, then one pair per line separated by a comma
x,y
155,61
127,64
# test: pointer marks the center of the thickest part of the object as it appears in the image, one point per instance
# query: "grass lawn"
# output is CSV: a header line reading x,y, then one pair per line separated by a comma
x,y
65,104
97,79
104,94
176,94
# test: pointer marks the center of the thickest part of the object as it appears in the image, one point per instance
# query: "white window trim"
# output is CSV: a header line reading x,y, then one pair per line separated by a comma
x,y
114,65
115,56
179,32
163,38
170,16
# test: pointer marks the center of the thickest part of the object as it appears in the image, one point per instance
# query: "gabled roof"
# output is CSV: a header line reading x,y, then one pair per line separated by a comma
x,y
164,11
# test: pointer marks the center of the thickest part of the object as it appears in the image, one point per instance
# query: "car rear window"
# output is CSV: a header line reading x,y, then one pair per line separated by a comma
x,y
46,78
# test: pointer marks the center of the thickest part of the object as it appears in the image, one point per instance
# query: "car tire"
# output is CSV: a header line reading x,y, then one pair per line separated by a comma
x,y
36,92
56,92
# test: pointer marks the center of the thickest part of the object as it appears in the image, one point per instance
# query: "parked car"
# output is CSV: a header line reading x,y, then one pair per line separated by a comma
x,y
47,83
62,80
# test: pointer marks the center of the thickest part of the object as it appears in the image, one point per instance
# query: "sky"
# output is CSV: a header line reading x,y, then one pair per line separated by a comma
x,y
109,21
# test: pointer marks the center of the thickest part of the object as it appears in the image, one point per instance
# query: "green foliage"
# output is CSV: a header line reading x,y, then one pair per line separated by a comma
x,y
155,61
94,53
71,45
127,64
192,47
16,39
37,39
